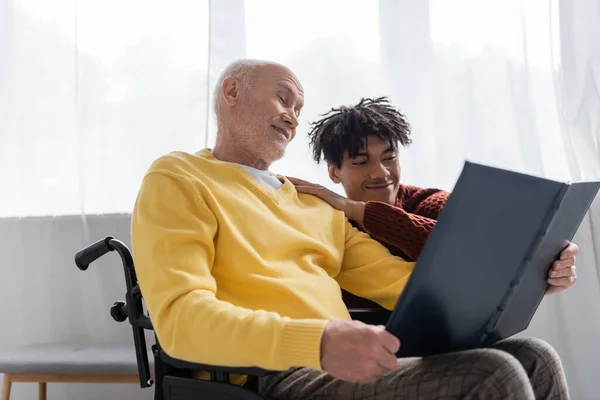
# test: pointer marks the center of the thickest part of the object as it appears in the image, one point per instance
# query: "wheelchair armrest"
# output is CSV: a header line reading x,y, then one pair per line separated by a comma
x,y
181,364
371,316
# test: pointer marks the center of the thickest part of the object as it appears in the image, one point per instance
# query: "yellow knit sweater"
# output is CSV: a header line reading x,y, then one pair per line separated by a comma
x,y
234,273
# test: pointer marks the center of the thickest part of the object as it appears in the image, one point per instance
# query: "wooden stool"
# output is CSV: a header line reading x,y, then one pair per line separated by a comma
x,y
50,363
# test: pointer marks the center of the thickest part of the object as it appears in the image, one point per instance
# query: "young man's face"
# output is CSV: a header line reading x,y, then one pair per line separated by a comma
x,y
373,175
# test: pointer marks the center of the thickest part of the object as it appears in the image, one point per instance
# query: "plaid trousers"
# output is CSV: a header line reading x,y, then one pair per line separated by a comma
x,y
510,369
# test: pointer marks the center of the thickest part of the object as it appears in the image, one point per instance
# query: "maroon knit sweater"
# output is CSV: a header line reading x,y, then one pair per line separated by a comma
x,y
403,228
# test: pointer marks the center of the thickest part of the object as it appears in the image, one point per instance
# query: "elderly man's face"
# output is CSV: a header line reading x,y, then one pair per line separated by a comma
x,y
268,113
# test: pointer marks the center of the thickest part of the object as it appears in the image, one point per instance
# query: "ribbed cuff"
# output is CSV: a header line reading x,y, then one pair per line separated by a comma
x,y
301,343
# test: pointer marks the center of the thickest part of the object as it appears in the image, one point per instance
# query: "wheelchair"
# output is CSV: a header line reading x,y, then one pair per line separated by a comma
x,y
173,378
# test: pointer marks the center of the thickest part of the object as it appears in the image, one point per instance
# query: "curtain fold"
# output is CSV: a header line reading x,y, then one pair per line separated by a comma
x,y
577,81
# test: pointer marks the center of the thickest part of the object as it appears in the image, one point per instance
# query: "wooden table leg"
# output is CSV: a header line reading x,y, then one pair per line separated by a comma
x,y
42,390
6,384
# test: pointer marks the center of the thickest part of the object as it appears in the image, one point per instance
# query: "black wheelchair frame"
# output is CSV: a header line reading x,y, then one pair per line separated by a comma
x,y
173,378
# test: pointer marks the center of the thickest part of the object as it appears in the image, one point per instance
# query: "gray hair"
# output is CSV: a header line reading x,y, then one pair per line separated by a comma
x,y
240,69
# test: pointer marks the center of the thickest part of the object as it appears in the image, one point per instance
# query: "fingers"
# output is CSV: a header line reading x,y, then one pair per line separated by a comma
x,y
560,278
386,363
388,341
381,352
316,190
569,252
357,352
303,186
386,359
562,282
298,181
564,264
295,181
563,272
307,189
388,346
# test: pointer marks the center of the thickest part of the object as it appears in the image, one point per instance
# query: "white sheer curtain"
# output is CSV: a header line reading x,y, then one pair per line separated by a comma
x,y
91,93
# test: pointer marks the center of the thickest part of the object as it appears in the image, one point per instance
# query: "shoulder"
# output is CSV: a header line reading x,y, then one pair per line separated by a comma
x,y
191,167
177,163
189,174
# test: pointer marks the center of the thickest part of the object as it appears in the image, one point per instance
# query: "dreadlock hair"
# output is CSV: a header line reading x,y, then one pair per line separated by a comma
x,y
346,129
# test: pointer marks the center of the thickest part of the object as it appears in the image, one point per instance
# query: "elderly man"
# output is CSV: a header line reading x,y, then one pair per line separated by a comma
x,y
237,268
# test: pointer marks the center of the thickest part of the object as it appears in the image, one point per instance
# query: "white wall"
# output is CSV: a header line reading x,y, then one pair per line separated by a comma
x,y
46,299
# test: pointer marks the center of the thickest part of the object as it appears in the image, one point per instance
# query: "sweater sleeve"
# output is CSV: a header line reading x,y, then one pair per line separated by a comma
x,y
396,227
173,233
424,202
408,225
370,271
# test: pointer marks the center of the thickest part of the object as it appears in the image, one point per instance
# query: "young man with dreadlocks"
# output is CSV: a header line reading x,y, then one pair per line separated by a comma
x,y
360,145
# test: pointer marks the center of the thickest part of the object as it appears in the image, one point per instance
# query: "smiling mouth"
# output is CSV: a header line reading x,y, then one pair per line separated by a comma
x,y
278,129
379,187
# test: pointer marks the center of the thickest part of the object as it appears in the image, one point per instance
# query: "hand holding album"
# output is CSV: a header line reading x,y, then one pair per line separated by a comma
x,y
483,271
